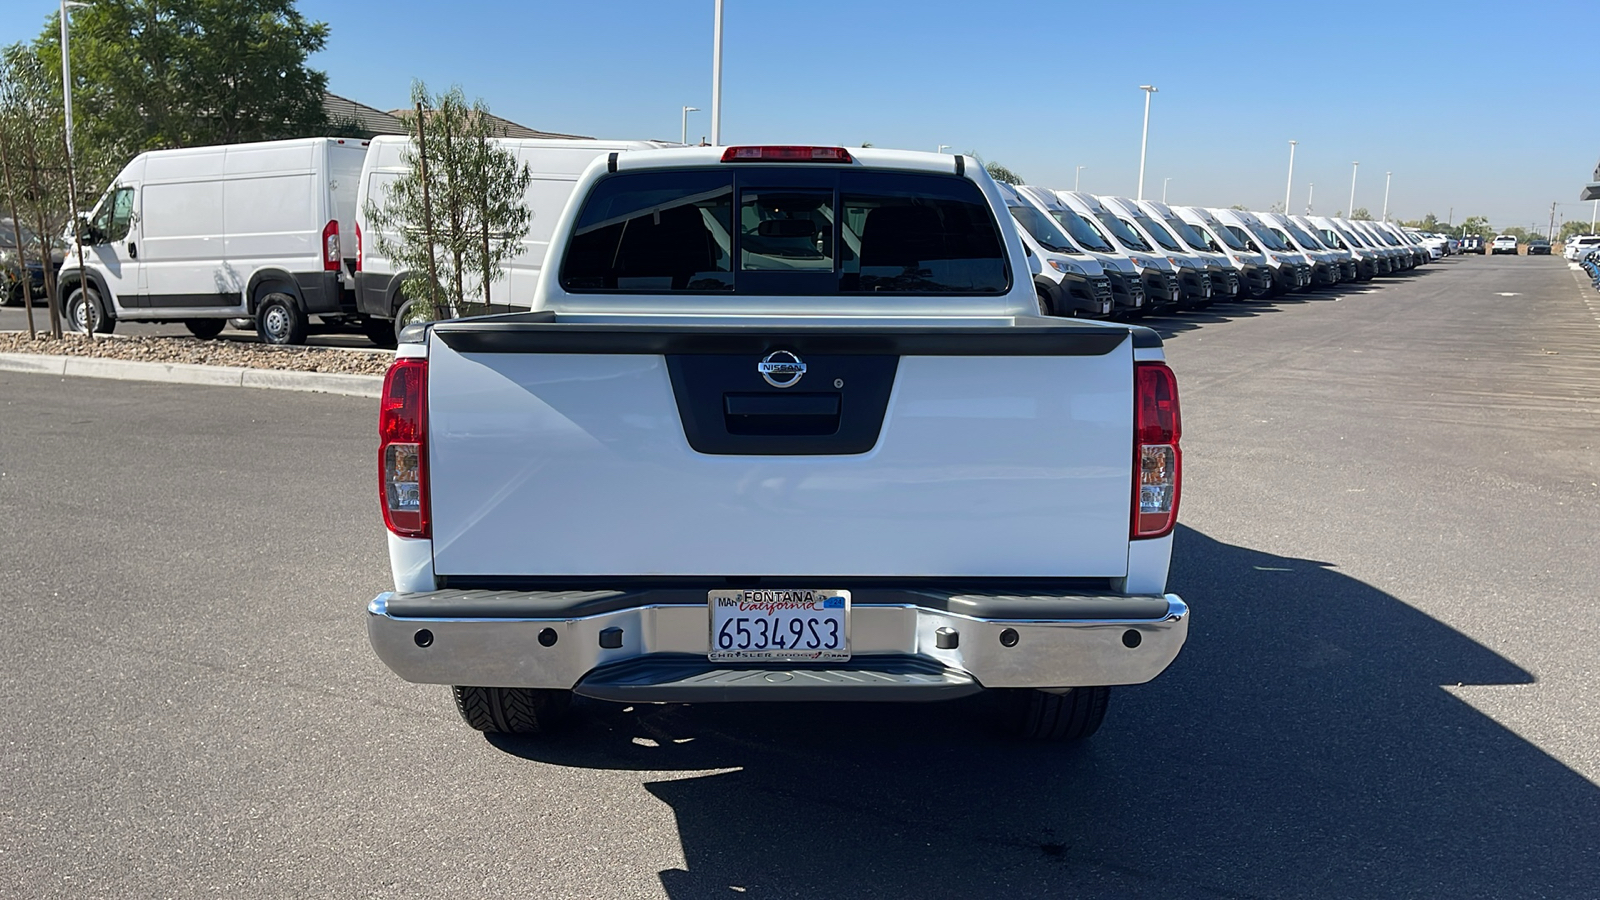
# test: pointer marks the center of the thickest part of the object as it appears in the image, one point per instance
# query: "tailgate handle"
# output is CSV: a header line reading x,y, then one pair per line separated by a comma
x,y
780,414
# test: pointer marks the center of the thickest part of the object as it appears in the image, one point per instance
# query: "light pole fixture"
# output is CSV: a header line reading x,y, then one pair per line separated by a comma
x,y
1164,183
1290,189
686,110
1351,212
1386,177
941,148
1078,176
1144,142
716,77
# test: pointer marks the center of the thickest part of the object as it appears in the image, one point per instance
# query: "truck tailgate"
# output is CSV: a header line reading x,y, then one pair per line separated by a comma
x,y
573,459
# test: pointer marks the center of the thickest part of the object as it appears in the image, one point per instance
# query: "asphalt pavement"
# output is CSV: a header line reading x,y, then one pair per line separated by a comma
x,y
1388,542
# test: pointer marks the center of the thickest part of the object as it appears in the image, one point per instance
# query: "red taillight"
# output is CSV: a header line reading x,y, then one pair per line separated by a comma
x,y
1157,461
330,246
787,154
360,254
403,448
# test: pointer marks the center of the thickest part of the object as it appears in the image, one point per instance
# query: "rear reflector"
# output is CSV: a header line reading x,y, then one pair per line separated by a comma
x,y
403,448
360,255
1157,460
787,154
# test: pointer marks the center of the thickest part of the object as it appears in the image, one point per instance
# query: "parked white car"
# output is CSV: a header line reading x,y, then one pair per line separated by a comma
x,y
1578,246
205,234
1504,243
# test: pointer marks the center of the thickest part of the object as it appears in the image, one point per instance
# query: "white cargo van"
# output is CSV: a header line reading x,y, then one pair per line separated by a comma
x,y
1127,291
1226,277
1291,269
1254,270
1068,281
555,166
1194,277
1159,274
205,234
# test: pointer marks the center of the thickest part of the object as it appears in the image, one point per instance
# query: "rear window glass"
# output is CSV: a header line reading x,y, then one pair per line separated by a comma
x,y
791,229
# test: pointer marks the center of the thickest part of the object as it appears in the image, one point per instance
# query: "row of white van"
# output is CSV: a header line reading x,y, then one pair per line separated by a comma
x,y
277,233
1105,256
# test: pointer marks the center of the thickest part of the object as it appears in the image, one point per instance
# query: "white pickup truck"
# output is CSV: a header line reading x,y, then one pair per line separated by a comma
x,y
784,423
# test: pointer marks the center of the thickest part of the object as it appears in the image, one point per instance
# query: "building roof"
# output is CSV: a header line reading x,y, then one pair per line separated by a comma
x,y
370,122
502,127
365,120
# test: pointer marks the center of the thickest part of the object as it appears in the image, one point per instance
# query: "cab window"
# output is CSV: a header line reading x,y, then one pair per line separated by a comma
x,y
115,216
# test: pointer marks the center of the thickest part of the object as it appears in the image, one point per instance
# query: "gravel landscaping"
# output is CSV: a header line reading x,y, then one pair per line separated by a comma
x,y
206,353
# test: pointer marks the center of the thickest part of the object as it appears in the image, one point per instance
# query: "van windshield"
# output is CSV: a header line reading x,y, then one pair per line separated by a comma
x,y
1083,231
1126,235
785,230
1162,236
1225,235
1186,231
1306,240
1043,228
1272,241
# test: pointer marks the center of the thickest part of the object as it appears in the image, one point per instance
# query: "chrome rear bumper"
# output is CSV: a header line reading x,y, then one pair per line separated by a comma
x,y
651,646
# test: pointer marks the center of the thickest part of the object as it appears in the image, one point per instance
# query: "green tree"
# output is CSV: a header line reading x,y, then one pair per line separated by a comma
x,y
457,215
1000,173
1361,213
1478,225
152,74
1572,228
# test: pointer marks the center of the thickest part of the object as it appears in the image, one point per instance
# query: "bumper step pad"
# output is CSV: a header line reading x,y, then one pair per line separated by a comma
x,y
690,679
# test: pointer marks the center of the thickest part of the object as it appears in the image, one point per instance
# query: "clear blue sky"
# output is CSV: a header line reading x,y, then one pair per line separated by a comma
x,y
1470,104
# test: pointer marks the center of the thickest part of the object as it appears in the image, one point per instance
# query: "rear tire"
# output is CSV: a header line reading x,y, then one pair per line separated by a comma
x,y
498,710
1043,716
205,329
279,320
380,332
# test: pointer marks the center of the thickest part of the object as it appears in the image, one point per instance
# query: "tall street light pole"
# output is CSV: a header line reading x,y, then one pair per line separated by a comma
x,y
1387,176
1164,183
1290,189
1077,177
1311,191
686,111
1351,212
716,77
1144,142
942,148
89,312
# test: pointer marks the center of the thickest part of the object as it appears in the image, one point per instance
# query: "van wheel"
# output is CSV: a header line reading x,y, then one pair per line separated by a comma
x,y
380,332
205,329
279,321
1045,716
511,710
80,313
1044,305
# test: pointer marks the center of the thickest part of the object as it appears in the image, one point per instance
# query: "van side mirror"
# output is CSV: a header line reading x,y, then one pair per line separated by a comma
x,y
88,234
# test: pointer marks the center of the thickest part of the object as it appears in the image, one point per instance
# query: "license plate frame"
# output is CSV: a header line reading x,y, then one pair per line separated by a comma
x,y
775,609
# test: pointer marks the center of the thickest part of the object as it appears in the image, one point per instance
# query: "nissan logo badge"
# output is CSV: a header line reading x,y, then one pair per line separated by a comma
x,y
781,369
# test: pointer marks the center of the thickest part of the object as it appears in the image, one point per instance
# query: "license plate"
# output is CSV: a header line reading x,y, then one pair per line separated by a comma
x,y
780,625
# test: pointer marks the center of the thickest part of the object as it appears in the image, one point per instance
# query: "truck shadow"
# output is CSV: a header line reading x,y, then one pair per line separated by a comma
x,y
1304,744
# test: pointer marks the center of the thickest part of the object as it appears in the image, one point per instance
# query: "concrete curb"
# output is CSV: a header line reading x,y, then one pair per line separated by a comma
x,y
189,373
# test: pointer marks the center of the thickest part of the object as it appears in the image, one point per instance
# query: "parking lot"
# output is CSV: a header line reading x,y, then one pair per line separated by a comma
x,y
1388,542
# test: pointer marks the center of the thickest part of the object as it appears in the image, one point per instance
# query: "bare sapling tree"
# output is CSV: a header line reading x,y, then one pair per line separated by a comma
x,y
35,183
457,215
